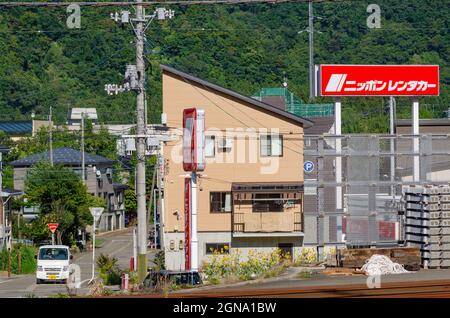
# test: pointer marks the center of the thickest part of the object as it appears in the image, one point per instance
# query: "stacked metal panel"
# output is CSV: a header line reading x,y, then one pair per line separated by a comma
x,y
427,222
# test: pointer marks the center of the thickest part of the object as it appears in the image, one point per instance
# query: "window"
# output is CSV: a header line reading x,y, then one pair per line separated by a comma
x,y
271,146
210,146
221,248
111,202
220,202
267,202
53,254
120,197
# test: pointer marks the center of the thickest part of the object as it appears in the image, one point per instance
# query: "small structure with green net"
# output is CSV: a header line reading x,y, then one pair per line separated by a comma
x,y
278,96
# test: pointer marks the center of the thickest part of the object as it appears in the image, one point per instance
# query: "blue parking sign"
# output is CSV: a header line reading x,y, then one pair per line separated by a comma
x,y
308,166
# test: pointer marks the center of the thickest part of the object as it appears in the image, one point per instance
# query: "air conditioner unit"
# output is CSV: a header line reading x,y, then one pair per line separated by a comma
x,y
225,143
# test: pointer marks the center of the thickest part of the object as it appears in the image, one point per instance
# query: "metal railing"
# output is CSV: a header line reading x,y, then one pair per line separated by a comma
x,y
267,222
374,169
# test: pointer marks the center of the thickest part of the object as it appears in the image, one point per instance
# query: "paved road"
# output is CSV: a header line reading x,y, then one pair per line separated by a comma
x,y
118,244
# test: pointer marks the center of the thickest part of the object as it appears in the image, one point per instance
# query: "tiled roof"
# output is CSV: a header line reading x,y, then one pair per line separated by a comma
x,y
64,156
321,125
424,122
16,127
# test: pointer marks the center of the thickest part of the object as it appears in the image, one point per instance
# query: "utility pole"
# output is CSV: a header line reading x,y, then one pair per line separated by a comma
x,y
310,30
141,130
311,49
135,80
50,125
83,172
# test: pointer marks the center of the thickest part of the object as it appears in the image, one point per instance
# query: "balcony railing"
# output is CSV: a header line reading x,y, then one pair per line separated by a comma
x,y
267,222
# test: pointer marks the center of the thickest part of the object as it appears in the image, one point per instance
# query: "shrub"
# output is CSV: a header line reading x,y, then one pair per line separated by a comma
x,y
159,261
308,255
231,266
109,270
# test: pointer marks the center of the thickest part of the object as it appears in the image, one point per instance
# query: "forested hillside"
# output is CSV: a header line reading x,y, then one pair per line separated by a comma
x,y
242,47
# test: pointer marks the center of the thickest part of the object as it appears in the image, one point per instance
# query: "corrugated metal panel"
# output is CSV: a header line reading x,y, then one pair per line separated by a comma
x,y
17,127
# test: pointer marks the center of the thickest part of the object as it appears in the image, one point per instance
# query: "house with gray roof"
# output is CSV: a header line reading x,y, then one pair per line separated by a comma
x,y
98,180
23,128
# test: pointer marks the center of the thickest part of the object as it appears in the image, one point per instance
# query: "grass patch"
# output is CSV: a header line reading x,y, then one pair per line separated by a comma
x,y
60,295
99,242
305,275
276,271
27,261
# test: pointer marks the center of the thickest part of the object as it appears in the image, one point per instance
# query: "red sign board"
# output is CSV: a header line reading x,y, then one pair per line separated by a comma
x,y
52,227
193,139
187,224
378,80
386,230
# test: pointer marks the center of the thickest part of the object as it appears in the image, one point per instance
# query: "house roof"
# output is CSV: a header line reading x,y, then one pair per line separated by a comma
x,y
267,187
65,156
10,192
90,113
4,149
424,122
322,125
191,78
16,127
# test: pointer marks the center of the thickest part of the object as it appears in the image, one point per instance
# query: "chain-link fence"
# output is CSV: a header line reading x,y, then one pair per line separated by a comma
x,y
353,195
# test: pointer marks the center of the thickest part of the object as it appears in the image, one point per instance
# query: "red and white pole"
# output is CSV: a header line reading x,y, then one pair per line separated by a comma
x,y
194,239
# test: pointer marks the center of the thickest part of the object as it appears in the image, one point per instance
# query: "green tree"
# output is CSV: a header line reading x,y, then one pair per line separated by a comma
x,y
61,197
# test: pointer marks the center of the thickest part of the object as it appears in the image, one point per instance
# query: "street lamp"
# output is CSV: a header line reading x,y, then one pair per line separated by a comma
x,y
96,213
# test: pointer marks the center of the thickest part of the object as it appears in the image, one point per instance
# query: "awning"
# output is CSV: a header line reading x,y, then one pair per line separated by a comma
x,y
267,187
9,193
119,186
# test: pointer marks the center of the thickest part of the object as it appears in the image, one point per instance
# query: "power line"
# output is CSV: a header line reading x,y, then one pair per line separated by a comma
x,y
151,3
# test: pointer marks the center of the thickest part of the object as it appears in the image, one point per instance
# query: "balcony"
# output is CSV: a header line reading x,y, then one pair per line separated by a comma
x,y
267,224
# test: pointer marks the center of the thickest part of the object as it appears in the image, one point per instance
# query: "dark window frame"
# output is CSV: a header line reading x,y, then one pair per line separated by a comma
x,y
266,206
269,137
222,201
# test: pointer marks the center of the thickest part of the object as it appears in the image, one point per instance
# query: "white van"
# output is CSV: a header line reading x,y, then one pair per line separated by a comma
x,y
53,263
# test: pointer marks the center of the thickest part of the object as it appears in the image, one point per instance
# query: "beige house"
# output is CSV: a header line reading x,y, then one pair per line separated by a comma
x,y
250,196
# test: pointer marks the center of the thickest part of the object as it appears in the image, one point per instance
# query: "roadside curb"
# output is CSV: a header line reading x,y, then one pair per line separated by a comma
x,y
290,272
113,232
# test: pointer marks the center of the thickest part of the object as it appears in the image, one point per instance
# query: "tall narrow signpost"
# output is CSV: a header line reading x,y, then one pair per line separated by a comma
x,y
52,227
193,161
96,213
